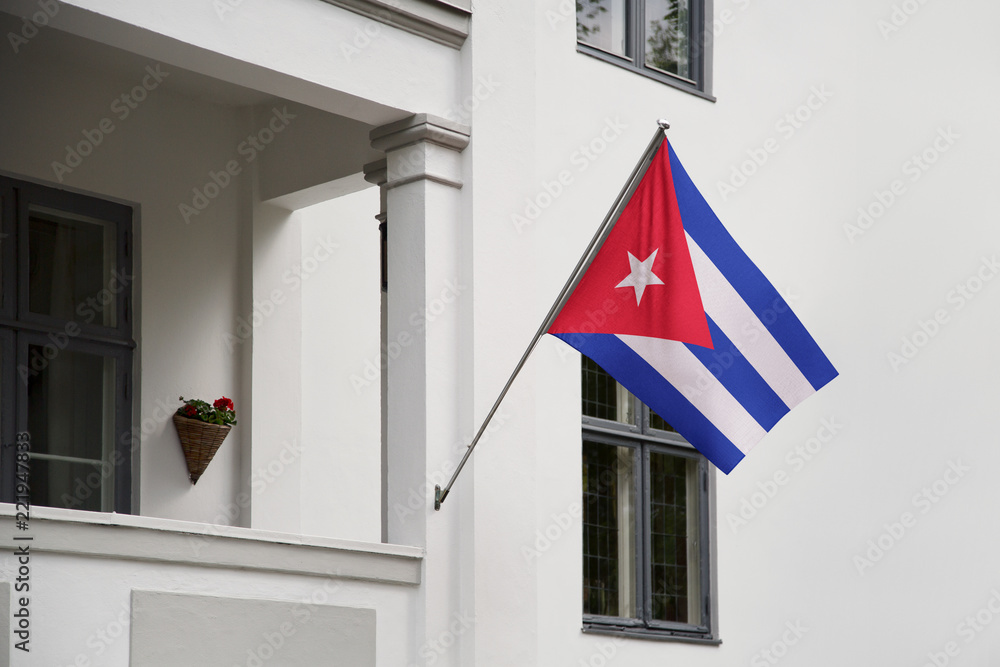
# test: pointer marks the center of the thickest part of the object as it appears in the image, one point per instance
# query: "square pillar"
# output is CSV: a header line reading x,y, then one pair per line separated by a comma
x,y
422,195
426,302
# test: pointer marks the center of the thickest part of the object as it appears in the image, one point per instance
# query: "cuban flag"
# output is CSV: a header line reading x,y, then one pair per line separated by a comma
x,y
676,312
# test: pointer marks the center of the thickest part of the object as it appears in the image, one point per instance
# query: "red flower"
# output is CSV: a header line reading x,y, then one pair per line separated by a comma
x,y
190,411
224,404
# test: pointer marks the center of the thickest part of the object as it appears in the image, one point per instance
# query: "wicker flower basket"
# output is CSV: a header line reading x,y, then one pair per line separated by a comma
x,y
199,440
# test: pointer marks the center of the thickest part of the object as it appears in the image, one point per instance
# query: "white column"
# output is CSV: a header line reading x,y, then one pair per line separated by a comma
x,y
275,321
426,379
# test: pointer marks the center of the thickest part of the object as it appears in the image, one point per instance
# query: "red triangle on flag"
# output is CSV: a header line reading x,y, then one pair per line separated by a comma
x,y
641,282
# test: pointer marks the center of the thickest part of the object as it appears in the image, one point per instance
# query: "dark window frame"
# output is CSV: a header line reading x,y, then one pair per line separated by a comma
x,y
644,440
20,328
701,41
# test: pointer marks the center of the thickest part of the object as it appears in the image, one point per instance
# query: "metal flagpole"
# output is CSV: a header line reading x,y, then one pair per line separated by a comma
x,y
574,279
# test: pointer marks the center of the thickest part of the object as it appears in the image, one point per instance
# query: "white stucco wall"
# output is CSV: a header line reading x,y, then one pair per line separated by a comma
x,y
901,424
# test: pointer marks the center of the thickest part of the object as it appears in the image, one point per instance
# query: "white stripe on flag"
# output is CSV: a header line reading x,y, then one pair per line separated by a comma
x,y
728,309
681,368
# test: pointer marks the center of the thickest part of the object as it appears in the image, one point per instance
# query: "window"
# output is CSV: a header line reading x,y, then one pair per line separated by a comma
x,y
646,527
66,346
667,40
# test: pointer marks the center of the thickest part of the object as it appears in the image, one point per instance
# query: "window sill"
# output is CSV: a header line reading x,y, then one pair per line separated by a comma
x,y
627,65
643,633
151,539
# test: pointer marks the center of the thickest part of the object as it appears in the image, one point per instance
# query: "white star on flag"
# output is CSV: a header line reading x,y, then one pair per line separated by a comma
x,y
641,275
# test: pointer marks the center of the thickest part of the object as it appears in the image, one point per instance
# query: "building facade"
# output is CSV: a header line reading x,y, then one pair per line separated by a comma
x,y
350,216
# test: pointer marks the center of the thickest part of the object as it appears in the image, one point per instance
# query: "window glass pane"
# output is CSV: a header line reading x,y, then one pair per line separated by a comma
x,y
71,266
609,530
601,23
674,553
603,397
668,36
3,238
658,422
71,418
54,484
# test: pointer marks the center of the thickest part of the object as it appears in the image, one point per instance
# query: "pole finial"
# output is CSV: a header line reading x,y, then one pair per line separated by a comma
x,y
662,122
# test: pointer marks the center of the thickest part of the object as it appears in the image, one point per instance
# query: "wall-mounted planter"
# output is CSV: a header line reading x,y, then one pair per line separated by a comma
x,y
199,440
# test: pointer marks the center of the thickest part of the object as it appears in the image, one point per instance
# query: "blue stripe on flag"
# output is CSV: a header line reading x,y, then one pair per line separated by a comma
x,y
708,232
632,371
740,378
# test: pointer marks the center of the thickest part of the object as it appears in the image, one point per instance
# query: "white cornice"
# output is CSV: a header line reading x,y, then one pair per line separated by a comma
x,y
442,22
